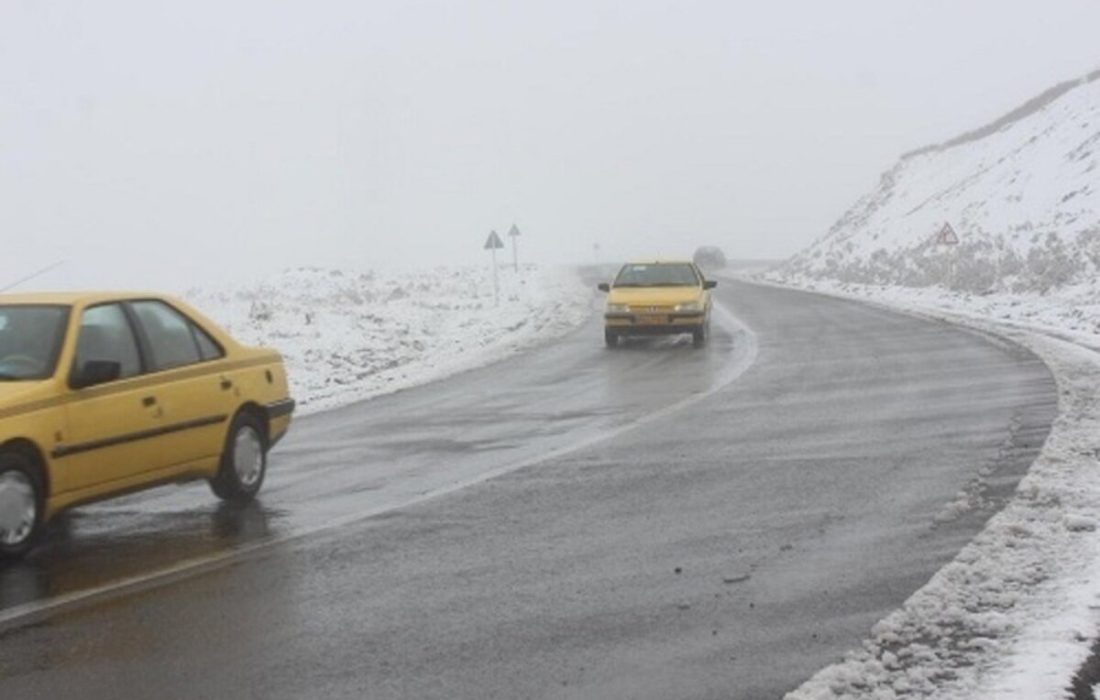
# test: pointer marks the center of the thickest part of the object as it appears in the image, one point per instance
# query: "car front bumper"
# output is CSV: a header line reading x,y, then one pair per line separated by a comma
x,y
655,324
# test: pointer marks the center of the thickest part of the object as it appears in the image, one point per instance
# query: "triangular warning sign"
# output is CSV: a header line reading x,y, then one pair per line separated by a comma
x,y
493,241
947,236
513,232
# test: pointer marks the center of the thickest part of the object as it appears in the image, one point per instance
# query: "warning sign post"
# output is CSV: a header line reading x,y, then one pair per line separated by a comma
x,y
513,233
493,244
947,236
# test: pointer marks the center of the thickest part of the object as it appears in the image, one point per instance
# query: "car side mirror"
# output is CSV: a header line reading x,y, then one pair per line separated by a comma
x,y
710,284
95,372
603,287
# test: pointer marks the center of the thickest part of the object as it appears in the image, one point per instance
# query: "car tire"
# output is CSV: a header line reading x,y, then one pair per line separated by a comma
x,y
699,337
244,460
22,504
611,338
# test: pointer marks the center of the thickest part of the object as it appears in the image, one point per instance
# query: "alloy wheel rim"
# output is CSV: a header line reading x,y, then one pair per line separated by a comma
x,y
18,507
248,456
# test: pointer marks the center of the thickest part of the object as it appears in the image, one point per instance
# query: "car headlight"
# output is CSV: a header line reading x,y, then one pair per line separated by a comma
x,y
690,306
617,308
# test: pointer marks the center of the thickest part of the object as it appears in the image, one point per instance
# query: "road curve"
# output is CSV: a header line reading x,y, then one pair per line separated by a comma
x,y
729,548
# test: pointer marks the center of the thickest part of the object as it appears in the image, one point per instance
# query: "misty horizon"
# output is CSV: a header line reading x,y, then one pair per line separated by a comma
x,y
146,146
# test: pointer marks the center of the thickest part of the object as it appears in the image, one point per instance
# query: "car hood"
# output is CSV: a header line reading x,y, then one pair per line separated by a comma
x,y
654,296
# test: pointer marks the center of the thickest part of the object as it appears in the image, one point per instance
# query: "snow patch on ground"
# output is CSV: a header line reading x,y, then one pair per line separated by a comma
x,y
347,336
1015,614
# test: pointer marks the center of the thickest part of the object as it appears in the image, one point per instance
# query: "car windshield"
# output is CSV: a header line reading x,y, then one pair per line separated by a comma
x,y
30,340
658,275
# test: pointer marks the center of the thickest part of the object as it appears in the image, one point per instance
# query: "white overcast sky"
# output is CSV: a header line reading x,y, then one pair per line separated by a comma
x,y
148,142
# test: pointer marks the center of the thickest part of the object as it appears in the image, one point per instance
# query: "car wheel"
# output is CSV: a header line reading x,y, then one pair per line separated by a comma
x,y
611,338
21,504
699,337
244,460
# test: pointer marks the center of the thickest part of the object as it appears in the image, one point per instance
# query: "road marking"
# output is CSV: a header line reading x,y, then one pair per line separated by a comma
x,y
744,355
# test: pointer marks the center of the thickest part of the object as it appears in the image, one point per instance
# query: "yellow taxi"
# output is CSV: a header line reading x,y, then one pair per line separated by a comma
x,y
105,394
658,298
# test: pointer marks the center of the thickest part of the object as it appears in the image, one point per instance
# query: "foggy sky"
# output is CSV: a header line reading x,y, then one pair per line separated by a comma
x,y
149,143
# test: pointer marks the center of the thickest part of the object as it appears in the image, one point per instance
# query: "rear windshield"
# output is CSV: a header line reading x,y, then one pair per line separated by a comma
x,y
30,340
658,275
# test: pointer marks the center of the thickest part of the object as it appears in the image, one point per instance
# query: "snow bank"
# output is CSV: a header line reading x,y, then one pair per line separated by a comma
x,y
1071,312
348,336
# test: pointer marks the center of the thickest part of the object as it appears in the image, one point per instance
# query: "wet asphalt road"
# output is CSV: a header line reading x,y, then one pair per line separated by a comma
x,y
726,549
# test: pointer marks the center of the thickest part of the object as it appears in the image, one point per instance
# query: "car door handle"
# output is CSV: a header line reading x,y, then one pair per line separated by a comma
x,y
226,384
149,401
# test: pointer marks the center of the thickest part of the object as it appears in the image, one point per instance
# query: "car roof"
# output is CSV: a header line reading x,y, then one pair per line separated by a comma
x,y
75,298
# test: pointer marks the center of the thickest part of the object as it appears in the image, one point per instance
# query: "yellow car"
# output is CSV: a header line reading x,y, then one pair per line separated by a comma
x,y
104,394
658,298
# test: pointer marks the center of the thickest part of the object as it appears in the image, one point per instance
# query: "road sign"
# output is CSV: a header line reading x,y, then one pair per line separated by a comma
x,y
493,244
947,236
513,233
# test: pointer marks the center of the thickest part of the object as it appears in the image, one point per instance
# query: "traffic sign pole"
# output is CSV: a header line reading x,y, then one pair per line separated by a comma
x,y
513,233
496,280
948,237
492,244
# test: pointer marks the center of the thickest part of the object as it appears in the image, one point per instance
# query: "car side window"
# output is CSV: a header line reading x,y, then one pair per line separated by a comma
x,y
106,335
208,347
171,338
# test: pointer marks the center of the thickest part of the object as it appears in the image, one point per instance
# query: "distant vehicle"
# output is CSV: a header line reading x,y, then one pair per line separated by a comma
x,y
658,298
104,394
709,257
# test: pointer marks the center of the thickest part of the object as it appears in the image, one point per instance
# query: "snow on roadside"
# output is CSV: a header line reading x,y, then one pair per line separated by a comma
x,y
1015,614
347,336
1071,312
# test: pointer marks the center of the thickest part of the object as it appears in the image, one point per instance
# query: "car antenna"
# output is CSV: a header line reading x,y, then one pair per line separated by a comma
x,y
28,278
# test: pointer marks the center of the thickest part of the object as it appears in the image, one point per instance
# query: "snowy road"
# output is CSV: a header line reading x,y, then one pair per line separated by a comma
x,y
656,529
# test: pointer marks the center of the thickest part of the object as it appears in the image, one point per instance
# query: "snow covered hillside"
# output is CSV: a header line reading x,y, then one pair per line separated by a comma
x,y
1023,195
347,335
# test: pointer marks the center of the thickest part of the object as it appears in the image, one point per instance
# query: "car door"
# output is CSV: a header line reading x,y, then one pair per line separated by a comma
x,y
110,428
193,392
